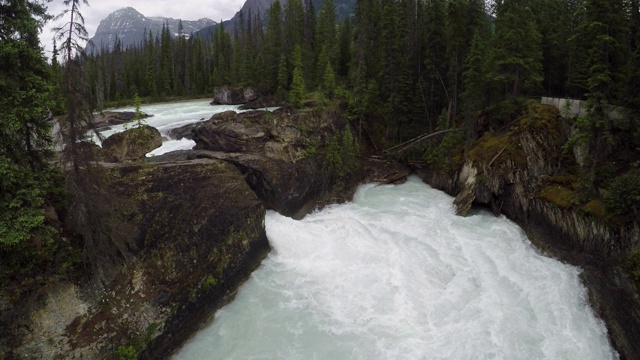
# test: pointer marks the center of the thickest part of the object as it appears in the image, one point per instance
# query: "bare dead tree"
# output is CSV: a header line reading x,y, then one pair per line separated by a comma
x,y
92,210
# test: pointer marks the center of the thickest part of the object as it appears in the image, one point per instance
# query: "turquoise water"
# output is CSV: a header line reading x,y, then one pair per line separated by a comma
x,y
394,274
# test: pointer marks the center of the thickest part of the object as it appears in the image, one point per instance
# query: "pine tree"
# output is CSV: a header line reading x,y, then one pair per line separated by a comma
x,y
25,175
309,42
326,35
435,63
603,27
298,91
476,78
344,52
293,25
166,61
328,82
59,106
517,48
283,78
273,47
151,68
91,209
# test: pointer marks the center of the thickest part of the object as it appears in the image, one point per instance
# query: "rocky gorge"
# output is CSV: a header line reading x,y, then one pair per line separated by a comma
x,y
512,174
197,225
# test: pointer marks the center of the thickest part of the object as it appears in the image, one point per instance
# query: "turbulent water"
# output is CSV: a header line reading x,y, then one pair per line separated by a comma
x,y
396,275
167,116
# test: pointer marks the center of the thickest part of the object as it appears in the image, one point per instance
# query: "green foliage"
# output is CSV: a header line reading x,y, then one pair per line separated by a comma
x,y
126,353
632,265
623,195
518,47
558,195
329,82
447,156
298,91
283,78
137,103
342,154
311,150
25,140
209,283
594,208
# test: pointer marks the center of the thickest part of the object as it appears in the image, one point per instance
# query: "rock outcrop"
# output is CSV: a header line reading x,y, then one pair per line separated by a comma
x,y
131,145
261,103
506,174
197,220
200,233
233,96
282,135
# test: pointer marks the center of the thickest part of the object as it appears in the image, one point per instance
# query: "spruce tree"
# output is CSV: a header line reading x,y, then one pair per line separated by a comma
x,y
298,91
328,82
92,212
476,78
25,174
166,61
603,27
151,68
273,47
283,78
344,52
518,51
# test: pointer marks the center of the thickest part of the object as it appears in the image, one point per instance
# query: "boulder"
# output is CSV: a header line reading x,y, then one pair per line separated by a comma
x,y
183,132
281,135
131,144
261,103
226,95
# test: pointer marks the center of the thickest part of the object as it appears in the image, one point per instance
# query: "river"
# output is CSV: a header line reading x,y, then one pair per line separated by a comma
x,y
395,274
167,116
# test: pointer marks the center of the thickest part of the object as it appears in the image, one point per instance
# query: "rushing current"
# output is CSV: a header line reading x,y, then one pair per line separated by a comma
x,y
167,116
394,274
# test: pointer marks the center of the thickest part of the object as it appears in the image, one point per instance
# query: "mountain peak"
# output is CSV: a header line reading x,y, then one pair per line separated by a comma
x,y
129,26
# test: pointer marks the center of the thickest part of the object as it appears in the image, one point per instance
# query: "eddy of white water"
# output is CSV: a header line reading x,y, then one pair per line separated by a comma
x,y
168,116
395,274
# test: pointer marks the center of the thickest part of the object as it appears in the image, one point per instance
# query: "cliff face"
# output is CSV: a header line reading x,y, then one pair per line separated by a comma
x,y
200,232
507,174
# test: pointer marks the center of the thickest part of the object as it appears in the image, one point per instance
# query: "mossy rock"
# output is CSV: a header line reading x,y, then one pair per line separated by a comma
x,y
497,148
595,208
545,120
132,144
558,195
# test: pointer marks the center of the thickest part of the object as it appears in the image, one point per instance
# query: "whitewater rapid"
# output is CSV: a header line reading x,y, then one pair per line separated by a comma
x,y
168,116
394,274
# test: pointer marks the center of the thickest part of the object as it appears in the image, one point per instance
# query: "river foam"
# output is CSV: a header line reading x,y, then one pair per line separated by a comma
x,y
394,274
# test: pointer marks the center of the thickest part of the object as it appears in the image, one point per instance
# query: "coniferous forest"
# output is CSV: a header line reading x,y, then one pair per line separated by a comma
x,y
409,67
397,68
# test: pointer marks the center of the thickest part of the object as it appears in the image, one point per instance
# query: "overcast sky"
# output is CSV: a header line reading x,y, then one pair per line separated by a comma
x,y
178,9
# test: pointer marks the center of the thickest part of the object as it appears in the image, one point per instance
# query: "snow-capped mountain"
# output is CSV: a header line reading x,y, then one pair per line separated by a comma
x,y
129,26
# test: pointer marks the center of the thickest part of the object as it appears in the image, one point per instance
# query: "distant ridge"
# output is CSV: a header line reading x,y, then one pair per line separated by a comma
x,y
129,26
344,8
